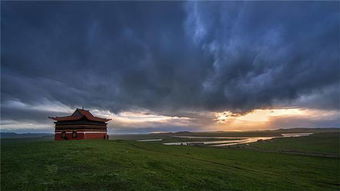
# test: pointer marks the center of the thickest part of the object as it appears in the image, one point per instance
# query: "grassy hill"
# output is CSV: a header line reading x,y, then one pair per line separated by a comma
x,y
28,164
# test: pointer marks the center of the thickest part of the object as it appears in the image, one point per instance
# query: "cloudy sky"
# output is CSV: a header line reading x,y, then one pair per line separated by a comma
x,y
171,66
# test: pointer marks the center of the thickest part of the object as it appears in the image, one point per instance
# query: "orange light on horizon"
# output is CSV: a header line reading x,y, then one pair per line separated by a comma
x,y
264,115
261,118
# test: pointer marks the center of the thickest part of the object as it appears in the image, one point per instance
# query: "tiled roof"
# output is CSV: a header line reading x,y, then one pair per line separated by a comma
x,y
78,114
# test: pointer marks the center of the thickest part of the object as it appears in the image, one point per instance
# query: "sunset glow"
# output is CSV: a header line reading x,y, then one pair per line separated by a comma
x,y
266,118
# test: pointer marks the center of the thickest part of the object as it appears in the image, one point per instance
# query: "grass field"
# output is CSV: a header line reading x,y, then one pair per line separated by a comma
x,y
323,144
30,164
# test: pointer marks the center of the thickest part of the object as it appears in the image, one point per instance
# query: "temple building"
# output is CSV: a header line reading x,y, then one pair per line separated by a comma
x,y
80,125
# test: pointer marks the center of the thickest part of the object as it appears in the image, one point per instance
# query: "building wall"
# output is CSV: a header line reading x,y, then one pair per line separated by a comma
x,y
69,135
96,136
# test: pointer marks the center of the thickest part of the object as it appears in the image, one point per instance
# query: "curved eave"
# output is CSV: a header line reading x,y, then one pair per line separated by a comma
x,y
69,118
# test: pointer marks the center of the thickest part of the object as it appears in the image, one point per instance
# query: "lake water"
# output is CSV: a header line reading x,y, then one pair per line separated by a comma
x,y
233,141
149,140
296,134
194,137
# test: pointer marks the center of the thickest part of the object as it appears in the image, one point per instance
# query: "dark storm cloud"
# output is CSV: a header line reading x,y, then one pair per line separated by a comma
x,y
269,51
169,57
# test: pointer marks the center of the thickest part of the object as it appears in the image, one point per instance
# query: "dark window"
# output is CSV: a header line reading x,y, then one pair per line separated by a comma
x,y
63,135
74,134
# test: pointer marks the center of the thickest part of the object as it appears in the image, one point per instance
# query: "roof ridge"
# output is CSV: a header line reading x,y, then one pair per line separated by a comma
x,y
84,113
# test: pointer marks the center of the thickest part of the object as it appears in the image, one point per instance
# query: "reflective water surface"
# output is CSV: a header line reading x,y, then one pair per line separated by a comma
x,y
149,140
232,141
295,134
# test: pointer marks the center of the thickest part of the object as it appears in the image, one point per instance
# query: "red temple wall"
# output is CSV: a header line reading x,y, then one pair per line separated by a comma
x,y
95,135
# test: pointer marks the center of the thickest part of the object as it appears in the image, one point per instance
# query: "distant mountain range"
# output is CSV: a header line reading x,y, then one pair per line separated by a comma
x,y
292,130
23,135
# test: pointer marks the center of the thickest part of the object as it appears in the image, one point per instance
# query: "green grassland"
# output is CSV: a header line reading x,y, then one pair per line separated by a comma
x,y
130,165
323,144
